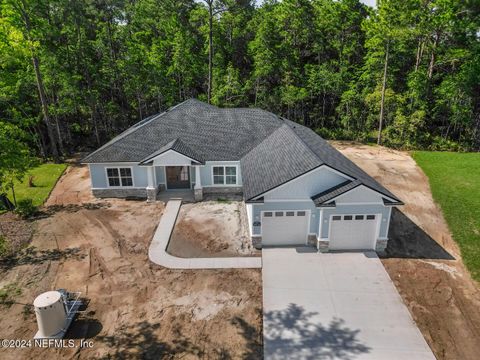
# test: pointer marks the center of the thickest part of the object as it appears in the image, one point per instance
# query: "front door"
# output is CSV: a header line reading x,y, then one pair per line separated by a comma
x,y
178,177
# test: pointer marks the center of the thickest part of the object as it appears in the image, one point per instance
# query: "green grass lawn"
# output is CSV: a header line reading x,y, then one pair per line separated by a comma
x,y
44,178
455,182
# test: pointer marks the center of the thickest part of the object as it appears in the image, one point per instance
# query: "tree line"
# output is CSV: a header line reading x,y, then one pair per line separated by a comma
x,y
74,73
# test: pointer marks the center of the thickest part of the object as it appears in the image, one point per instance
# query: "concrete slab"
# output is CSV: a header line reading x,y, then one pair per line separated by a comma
x,y
335,306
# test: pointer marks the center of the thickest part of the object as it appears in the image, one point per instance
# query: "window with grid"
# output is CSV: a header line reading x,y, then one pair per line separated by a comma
x,y
230,175
119,177
224,175
218,175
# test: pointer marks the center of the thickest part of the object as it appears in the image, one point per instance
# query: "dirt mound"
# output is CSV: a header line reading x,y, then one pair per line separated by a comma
x,y
135,309
16,233
211,229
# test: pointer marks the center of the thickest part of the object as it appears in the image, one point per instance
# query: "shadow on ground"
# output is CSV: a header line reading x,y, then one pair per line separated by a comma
x,y
253,337
84,329
408,240
291,333
142,342
32,256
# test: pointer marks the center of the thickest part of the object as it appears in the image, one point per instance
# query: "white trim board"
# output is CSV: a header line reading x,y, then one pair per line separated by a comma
x,y
300,177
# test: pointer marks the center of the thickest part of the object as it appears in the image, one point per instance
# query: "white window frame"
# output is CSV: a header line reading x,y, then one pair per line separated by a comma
x,y
120,177
225,175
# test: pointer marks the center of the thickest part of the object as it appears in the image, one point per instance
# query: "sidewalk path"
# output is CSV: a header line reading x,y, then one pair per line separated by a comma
x,y
157,252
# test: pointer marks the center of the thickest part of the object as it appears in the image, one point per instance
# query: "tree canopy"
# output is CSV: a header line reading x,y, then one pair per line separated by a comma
x,y
15,156
75,73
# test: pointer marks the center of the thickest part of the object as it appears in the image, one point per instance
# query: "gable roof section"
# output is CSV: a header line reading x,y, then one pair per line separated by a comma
x,y
336,160
176,145
213,133
278,159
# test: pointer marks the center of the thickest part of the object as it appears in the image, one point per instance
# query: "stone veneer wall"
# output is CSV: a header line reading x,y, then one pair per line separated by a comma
x,y
312,240
322,245
257,242
381,246
119,193
238,190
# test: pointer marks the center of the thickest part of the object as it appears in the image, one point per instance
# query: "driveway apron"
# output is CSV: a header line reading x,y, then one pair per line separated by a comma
x,y
334,306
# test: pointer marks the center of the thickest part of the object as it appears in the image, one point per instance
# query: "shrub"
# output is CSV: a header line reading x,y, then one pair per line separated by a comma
x,y
439,143
8,294
26,209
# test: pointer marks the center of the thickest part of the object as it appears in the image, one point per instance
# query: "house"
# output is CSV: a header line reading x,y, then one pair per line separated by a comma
x,y
297,188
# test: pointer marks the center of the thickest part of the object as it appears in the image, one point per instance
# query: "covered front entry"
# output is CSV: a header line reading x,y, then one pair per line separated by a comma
x,y
284,227
353,232
178,177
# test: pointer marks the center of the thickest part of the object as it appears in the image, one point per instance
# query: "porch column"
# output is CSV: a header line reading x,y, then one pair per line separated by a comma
x,y
151,188
198,191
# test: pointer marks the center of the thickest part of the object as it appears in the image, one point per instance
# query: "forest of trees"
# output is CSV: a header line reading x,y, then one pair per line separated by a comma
x,y
74,73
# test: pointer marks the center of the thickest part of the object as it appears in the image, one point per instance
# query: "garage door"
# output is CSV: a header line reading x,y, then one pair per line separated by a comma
x,y
353,232
284,227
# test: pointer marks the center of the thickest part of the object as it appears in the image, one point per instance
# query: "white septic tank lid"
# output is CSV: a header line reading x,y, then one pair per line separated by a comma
x,y
46,299
50,313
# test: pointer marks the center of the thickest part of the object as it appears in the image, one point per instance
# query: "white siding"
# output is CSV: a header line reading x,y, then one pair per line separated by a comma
x,y
98,174
360,194
306,186
171,158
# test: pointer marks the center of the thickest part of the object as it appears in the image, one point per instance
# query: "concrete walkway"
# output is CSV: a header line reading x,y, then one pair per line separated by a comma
x,y
334,306
157,252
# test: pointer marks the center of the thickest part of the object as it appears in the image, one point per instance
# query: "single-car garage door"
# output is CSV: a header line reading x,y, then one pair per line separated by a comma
x,y
284,227
353,232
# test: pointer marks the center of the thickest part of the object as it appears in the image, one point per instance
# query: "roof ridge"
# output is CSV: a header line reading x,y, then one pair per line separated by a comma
x,y
264,139
303,141
134,128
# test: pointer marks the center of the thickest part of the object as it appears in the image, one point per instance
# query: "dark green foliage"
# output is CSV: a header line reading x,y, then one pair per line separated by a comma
x,y
26,209
105,65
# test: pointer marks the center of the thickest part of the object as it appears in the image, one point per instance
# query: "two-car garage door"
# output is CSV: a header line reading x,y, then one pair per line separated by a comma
x,y
285,227
353,232
347,232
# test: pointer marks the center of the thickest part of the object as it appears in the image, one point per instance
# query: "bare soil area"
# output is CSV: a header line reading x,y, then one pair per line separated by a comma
x,y
211,229
422,259
135,308
72,187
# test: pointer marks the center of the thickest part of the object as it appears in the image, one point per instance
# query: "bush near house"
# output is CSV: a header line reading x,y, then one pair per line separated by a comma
x,y
455,184
26,209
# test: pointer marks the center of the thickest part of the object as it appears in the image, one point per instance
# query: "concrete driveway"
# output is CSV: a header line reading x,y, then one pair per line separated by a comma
x,y
334,306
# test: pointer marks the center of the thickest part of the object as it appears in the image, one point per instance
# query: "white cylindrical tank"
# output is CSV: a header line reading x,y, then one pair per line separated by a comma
x,y
50,313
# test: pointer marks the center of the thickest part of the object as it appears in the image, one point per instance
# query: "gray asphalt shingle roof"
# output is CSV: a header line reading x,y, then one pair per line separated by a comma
x,y
213,133
281,157
271,150
335,191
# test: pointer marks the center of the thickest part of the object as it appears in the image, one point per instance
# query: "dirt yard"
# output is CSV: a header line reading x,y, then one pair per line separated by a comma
x,y
422,259
211,229
136,309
